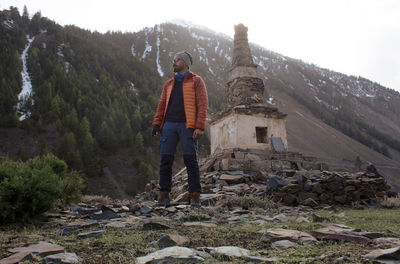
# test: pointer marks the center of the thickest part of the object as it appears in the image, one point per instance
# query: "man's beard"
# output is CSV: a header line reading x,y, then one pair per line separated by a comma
x,y
177,68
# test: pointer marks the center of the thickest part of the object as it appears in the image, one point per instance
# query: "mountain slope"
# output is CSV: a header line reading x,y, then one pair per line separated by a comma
x,y
94,96
331,115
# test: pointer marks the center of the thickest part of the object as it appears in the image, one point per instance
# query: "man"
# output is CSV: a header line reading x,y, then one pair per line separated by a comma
x,y
181,116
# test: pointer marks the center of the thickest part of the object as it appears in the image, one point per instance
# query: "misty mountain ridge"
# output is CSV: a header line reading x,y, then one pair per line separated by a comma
x,y
102,90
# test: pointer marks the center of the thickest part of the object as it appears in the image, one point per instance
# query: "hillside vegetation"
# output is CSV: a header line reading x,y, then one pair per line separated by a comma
x,y
94,95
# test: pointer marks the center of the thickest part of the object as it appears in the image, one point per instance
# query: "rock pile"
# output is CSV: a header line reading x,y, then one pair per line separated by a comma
x,y
289,178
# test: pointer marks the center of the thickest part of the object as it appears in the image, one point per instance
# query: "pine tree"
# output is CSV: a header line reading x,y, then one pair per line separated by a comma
x,y
84,129
107,138
139,142
89,157
67,145
126,135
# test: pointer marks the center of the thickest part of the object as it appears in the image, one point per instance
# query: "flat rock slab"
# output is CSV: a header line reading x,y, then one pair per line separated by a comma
x,y
117,224
172,240
173,255
209,199
276,234
283,244
371,235
340,233
232,179
24,253
199,224
16,258
145,209
68,230
106,215
390,255
237,252
62,258
393,241
95,234
229,251
155,225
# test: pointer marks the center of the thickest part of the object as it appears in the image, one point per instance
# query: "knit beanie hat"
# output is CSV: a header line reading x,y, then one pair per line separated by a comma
x,y
187,58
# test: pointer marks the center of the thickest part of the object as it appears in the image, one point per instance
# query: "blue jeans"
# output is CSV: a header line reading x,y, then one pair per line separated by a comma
x,y
171,134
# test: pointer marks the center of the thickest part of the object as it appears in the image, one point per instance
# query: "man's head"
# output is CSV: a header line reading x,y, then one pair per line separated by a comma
x,y
182,61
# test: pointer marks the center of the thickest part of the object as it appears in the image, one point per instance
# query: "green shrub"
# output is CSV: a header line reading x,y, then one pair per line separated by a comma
x,y
27,190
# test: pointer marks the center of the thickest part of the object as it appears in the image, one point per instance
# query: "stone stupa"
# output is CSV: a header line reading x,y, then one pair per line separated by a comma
x,y
249,123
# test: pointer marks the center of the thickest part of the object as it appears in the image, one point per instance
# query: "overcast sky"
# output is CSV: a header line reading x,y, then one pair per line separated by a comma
x,y
355,37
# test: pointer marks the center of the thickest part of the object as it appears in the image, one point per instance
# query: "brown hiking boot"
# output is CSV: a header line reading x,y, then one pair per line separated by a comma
x,y
163,199
195,199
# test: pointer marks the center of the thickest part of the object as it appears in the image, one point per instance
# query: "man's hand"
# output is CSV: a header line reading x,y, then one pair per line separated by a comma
x,y
155,131
198,133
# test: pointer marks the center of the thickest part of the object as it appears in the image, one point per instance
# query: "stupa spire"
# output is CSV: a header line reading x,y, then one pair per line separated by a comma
x,y
244,87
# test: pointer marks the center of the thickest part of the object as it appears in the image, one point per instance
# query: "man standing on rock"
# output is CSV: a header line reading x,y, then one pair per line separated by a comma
x,y
181,116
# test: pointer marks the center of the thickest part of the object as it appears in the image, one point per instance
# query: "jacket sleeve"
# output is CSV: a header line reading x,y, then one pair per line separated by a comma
x,y
201,103
158,117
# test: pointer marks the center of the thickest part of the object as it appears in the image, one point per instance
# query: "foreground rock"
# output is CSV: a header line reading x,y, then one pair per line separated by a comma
x,y
26,253
389,256
237,252
276,234
341,233
283,244
62,258
172,240
173,255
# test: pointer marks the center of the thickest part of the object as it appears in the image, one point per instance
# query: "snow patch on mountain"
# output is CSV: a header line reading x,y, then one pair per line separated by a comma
x,y
190,25
159,69
59,50
9,23
26,79
133,88
198,37
146,50
133,50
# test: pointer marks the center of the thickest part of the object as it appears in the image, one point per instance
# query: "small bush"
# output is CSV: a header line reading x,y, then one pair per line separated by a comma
x,y
27,190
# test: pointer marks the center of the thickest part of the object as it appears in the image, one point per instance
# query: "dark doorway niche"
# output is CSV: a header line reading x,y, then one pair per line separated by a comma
x,y
261,134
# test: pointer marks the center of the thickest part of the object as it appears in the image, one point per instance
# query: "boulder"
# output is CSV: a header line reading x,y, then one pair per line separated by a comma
x,y
26,253
283,244
62,258
340,233
388,241
232,179
276,234
237,252
390,255
172,240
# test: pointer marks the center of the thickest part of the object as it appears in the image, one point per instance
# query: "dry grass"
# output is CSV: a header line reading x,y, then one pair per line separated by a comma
x,y
391,202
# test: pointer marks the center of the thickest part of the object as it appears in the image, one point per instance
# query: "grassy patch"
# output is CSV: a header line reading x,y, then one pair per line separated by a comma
x,y
124,245
371,219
